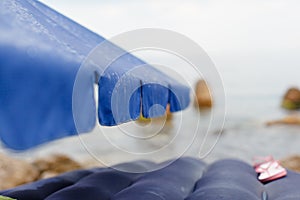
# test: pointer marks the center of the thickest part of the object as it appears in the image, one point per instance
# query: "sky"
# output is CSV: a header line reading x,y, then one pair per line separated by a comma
x,y
234,33
218,25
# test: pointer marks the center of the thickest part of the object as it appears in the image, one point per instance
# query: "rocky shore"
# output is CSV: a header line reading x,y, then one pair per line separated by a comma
x,y
14,172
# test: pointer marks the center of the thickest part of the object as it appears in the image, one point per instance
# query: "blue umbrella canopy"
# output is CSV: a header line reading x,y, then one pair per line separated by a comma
x,y
41,54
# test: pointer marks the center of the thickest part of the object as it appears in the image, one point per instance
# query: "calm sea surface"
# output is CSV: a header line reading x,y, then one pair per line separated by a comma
x,y
253,96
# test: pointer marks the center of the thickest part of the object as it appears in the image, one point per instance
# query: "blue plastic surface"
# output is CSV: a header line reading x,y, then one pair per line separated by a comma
x,y
41,52
184,179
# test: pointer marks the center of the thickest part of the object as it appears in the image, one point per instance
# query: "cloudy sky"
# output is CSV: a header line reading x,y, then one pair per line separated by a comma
x,y
233,32
218,25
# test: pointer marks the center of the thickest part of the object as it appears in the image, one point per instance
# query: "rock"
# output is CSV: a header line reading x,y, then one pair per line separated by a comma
x,y
291,163
14,172
168,112
203,97
55,164
291,99
289,120
168,116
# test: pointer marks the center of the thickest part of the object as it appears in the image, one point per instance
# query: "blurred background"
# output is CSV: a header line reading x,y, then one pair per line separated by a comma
x,y
255,46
